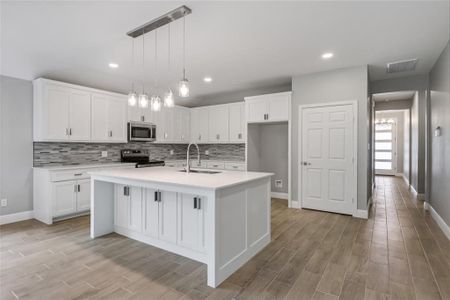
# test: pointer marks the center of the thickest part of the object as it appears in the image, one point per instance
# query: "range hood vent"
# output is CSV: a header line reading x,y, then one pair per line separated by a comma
x,y
401,66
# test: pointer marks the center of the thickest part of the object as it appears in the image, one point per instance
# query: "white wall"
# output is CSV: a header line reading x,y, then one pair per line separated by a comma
x,y
16,144
440,146
350,84
399,117
407,145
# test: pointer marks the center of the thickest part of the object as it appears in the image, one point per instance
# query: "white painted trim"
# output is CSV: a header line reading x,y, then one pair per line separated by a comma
x,y
441,223
361,213
355,148
278,195
413,190
399,175
17,217
405,179
426,206
295,204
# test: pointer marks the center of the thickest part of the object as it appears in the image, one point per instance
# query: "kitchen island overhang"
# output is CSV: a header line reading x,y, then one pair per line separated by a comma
x,y
221,220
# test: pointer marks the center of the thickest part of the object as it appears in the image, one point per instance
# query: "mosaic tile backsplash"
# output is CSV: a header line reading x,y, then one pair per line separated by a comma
x,y
51,153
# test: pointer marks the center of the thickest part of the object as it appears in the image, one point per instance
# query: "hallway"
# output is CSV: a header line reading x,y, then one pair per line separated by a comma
x,y
407,245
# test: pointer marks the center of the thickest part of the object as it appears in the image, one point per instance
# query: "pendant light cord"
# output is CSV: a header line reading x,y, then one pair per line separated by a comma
x,y
143,61
156,60
168,55
132,63
184,47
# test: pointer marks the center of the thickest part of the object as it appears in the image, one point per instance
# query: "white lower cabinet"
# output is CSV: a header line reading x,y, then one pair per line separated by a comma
x,y
167,216
191,221
71,196
65,200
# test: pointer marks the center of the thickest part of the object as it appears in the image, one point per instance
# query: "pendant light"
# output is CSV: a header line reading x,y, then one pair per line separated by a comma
x,y
132,96
183,86
155,102
168,96
143,98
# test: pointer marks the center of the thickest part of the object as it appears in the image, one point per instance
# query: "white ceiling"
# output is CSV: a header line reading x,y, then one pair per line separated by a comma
x,y
241,45
393,96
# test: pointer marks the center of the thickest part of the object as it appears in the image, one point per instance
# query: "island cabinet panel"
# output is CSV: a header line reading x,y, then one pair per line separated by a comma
x,y
121,206
168,216
84,195
151,215
64,194
135,210
128,207
191,223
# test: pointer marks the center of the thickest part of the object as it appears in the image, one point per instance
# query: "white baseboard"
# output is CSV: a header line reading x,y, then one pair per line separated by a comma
x,y
405,179
20,216
295,204
399,175
413,190
361,213
279,195
426,205
444,227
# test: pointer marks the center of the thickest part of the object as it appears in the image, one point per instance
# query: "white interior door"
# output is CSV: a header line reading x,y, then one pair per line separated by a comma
x,y
327,158
385,148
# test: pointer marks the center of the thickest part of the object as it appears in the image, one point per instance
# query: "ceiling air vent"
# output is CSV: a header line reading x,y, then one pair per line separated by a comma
x,y
401,66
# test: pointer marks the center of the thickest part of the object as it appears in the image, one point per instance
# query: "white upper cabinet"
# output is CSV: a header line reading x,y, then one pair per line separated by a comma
x,y
237,122
268,108
66,112
218,124
199,125
138,114
108,118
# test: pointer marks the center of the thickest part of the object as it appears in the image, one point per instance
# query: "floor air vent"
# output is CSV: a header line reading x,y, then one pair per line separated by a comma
x,y
401,66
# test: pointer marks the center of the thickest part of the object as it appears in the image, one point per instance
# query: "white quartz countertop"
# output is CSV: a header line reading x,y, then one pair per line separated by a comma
x,y
85,166
167,175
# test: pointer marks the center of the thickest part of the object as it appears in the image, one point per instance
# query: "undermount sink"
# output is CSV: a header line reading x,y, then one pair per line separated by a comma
x,y
201,171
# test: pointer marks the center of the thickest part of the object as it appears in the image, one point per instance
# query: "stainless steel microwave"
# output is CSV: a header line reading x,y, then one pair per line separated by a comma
x,y
141,131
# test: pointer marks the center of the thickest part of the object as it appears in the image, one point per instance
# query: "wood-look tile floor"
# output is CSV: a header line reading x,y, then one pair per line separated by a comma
x,y
399,253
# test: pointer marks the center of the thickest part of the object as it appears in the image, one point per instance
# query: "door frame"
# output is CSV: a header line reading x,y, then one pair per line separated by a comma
x,y
394,151
354,104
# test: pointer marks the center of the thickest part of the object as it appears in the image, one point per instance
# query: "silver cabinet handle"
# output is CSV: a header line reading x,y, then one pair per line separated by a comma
x,y
218,136
165,135
70,131
110,133
142,118
195,202
79,188
126,191
77,174
199,137
240,136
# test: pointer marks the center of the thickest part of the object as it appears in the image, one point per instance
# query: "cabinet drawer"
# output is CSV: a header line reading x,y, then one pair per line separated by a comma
x,y
215,165
69,175
235,166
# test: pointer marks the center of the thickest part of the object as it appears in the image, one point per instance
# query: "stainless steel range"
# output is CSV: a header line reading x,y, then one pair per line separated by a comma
x,y
140,157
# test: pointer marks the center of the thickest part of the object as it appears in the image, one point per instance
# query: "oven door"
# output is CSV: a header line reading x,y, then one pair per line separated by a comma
x,y
144,132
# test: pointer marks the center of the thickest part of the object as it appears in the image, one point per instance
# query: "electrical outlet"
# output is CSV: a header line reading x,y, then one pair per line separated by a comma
x,y
278,183
104,153
172,152
4,202
206,152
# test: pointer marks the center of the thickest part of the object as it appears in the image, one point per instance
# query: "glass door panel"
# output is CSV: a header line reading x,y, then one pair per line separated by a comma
x,y
385,148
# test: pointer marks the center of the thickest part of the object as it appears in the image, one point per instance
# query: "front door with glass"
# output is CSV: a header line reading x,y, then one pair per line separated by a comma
x,y
385,147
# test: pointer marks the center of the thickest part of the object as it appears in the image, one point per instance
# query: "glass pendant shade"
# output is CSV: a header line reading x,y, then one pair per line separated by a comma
x,y
168,99
183,88
143,100
132,99
156,103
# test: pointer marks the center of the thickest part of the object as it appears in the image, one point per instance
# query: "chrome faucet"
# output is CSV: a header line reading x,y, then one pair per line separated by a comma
x,y
188,166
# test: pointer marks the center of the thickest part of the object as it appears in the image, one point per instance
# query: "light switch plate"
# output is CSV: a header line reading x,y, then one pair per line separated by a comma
x,y
171,152
104,153
4,202
206,152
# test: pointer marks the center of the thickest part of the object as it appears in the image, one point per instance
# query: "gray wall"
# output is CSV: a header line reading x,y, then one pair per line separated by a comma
x,y
16,144
440,146
268,152
350,84
399,116
417,83
274,153
393,105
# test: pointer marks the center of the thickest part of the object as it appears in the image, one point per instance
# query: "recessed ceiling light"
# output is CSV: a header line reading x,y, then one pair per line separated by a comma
x,y
113,65
327,55
207,79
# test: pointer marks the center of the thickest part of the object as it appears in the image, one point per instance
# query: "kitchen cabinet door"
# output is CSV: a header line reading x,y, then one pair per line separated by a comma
x,y
83,195
237,122
169,120
190,221
185,125
151,213
158,118
168,216
278,107
80,116
218,124
256,110
99,107
121,206
199,125
177,125
55,104
64,198
117,123
135,209
134,114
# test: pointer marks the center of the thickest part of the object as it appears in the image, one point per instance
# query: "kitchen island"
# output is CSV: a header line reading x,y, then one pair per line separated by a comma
x,y
221,219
